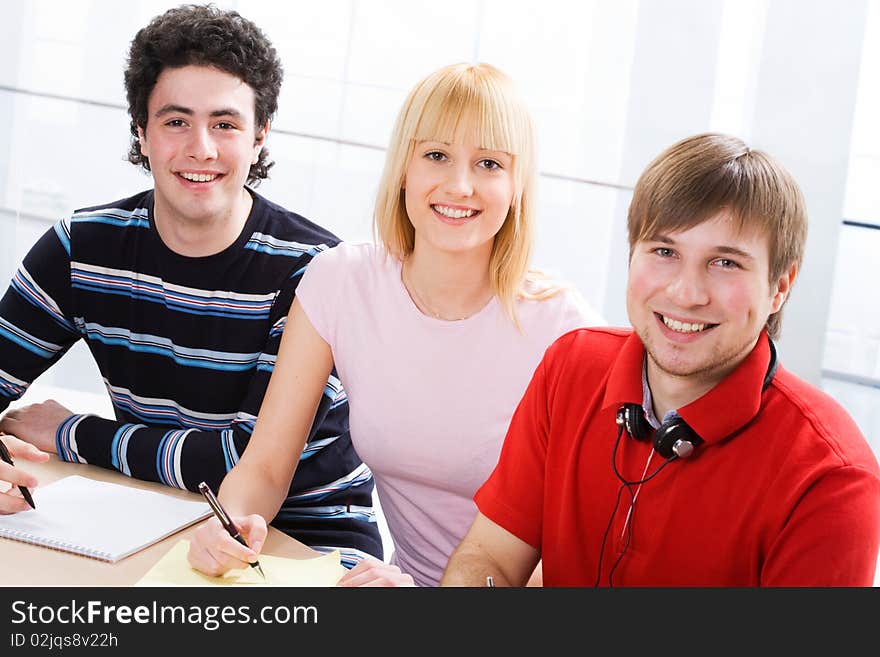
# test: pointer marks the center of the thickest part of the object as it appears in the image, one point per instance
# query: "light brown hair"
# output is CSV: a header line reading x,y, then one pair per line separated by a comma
x,y
465,99
694,179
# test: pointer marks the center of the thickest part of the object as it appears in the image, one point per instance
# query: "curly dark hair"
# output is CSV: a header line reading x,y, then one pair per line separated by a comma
x,y
202,35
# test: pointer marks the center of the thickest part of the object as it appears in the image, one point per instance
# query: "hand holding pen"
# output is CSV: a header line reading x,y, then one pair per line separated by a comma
x,y
226,521
9,446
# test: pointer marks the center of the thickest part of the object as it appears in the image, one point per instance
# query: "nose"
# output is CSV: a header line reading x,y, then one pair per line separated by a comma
x,y
459,181
201,145
688,287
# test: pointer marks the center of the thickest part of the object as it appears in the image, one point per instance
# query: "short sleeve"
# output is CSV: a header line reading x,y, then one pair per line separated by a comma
x,y
319,292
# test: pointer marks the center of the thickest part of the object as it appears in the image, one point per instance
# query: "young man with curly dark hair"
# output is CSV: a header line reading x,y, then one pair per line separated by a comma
x,y
181,292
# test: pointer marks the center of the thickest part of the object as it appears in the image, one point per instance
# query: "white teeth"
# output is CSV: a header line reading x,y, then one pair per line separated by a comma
x,y
199,177
452,213
683,327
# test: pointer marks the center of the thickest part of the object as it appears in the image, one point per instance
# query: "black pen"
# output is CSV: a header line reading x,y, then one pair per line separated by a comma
x,y
226,521
4,454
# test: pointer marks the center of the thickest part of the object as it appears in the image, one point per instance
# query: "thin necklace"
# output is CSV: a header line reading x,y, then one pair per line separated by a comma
x,y
427,308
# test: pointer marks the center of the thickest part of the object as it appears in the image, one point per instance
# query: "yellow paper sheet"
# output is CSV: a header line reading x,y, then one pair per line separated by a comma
x,y
174,570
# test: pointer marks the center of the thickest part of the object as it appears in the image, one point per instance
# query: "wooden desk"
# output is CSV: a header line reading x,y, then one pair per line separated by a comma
x,y
34,565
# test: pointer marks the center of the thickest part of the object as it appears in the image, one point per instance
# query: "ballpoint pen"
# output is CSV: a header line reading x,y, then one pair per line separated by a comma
x,y
4,454
226,521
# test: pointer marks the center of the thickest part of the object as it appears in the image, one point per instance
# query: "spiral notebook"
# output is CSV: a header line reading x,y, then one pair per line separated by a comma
x,y
99,519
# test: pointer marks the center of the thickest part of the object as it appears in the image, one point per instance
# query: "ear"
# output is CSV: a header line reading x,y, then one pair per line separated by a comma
x,y
783,288
260,141
142,138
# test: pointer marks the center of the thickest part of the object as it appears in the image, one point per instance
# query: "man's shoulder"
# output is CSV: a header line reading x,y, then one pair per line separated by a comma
x,y
586,354
139,203
809,412
601,343
283,224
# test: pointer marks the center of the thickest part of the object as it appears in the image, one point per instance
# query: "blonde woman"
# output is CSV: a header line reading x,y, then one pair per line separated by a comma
x,y
434,332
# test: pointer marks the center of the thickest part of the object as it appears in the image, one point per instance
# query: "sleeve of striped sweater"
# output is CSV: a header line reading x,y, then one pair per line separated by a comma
x,y
37,327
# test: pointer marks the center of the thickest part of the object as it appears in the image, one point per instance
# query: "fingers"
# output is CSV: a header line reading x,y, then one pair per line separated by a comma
x,y
19,449
372,572
12,502
214,552
254,530
17,476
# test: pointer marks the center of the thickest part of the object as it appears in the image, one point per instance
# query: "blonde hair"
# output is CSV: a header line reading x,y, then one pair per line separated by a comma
x,y
694,179
480,98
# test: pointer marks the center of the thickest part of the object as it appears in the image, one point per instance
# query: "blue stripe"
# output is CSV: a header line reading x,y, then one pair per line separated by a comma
x,y
12,337
245,425
62,439
26,292
168,353
114,446
62,237
120,445
289,252
112,221
315,447
176,440
173,416
163,418
304,514
11,389
10,394
314,497
224,443
145,296
160,291
160,457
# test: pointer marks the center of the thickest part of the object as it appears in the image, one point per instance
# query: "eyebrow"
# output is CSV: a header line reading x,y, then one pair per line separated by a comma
x,y
180,109
728,250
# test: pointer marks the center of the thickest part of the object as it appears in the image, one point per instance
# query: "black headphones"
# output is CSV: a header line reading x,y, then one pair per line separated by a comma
x,y
674,438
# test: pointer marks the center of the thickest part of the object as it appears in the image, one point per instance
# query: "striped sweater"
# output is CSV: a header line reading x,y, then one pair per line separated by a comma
x,y
186,347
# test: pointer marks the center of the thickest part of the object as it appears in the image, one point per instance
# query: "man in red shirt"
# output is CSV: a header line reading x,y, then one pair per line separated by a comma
x,y
679,453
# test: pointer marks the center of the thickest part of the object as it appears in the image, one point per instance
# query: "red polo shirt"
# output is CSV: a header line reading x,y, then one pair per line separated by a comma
x,y
784,492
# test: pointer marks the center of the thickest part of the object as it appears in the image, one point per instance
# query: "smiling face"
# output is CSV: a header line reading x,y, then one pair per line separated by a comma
x,y
699,298
201,141
457,195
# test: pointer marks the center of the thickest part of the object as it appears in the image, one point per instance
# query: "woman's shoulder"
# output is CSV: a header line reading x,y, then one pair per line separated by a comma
x,y
351,256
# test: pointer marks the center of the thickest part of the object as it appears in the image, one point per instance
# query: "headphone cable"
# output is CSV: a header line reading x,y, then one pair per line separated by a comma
x,y
628,485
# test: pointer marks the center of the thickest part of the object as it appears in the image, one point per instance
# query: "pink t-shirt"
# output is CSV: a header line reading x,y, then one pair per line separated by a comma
x,y
430,400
